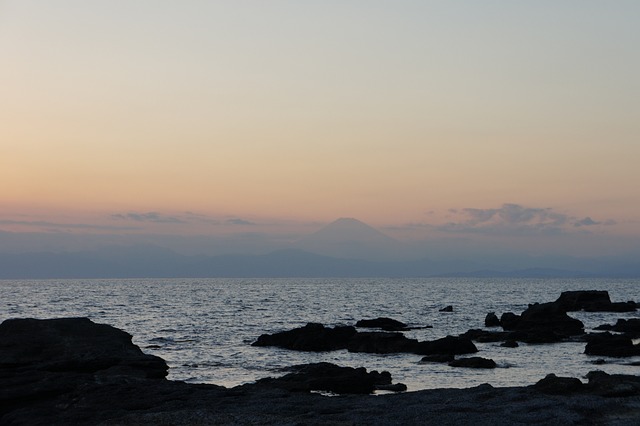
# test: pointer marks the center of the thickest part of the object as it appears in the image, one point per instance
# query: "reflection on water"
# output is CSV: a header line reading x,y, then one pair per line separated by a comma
x,y
203,328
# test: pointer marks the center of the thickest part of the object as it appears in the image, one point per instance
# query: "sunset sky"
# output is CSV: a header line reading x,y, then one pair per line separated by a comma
x,y
425,119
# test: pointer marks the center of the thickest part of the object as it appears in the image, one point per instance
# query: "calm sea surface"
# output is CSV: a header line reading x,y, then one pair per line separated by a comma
x,y
203,328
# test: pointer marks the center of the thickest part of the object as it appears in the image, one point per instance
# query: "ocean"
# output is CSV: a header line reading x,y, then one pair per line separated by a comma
x,y
204,328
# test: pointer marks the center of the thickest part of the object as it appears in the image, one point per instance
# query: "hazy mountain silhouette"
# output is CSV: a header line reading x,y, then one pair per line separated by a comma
x,y
344,248
353,239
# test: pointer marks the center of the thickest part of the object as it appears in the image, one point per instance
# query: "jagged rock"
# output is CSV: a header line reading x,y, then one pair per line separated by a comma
x,y
555,385
607,344
447,309
509,344
387,324
312,337
541,323
447,345
551,317
328,377
491,320
592,301
473,362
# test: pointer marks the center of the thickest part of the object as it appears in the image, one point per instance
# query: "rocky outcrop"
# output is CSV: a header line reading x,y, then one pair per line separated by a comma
x,y
447,345
592,301
312,337
110,382
491,320
555,385
613,345
381,343
631,327
74,345
316,337
448,308
613,385
384,323
485,336
541,323
328,377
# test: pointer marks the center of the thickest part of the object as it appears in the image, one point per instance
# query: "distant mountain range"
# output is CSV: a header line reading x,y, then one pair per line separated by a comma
x,y
142,262
344,248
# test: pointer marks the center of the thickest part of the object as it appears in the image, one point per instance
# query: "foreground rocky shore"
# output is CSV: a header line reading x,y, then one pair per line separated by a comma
x,y
73,371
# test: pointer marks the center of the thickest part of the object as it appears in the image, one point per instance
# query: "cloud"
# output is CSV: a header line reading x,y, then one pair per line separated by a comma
x,y
513,219
148,217
237,221
45,224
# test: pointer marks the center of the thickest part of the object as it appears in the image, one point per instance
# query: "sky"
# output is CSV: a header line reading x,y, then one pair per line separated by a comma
x,y
501,122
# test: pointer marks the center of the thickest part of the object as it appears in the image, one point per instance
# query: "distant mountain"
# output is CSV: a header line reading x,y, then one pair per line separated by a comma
x,y
147,261
351,238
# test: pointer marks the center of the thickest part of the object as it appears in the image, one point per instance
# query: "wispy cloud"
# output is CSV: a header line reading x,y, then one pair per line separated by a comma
x,y
148,217
238,221
512,219
46,224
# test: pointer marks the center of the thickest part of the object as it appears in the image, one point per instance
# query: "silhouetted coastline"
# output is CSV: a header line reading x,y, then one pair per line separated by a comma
x,y
74,371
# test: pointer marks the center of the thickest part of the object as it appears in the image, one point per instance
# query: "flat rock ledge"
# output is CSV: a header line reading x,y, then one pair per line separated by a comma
x,y
73,371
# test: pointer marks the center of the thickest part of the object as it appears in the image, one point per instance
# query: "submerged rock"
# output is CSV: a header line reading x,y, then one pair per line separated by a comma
x,y
440,358
447,309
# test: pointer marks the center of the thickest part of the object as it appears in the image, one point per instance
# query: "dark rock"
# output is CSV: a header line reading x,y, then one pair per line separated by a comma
x,y
509,320
387,324
550,317
328,377
447,345
395,387
312,337
613,385
607,344
447,309
555,385
629,326
473,362
509,344
381,343
491,320
484,336
441,358
592,301
74,345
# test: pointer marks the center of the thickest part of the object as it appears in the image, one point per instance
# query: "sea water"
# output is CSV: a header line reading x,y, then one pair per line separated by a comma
x,y
204,328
